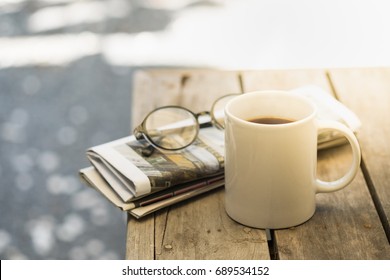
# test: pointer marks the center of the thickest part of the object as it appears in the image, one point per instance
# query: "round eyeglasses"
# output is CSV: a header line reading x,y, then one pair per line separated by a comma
x,y
175,127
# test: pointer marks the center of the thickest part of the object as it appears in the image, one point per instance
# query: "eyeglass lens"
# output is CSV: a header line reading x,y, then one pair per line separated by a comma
x,y
171,128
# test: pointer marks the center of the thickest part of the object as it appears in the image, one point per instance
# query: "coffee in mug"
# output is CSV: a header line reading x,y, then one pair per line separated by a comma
x,y
270,120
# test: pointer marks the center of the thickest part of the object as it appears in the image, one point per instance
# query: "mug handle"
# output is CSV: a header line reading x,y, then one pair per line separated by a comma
x,y
325,187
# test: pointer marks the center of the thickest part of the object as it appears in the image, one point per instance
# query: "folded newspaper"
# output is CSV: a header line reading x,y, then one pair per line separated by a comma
x,y
144,184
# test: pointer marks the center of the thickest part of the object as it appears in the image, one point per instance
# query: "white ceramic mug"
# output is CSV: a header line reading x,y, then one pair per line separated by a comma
x,y
270,169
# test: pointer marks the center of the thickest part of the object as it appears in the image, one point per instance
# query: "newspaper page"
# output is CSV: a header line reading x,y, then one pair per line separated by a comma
x,y
133,175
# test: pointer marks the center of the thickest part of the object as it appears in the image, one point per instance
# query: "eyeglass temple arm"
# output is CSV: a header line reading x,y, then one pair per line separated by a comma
x,y
138,132
148,150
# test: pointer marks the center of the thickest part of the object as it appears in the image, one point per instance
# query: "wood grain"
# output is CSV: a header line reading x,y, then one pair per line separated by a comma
x,y
140,238
367,92
152,89
201,229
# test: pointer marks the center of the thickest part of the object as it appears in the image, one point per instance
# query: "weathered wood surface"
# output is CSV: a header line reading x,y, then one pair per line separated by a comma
x,y
346,224
367,92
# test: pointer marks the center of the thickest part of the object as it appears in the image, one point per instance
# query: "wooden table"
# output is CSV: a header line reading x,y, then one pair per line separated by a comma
x,y
349,224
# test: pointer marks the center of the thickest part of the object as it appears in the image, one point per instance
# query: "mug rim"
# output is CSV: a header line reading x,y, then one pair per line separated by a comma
x,y
273,92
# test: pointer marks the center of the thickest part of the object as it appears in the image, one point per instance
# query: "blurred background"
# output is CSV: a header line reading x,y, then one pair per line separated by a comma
x,y
65,85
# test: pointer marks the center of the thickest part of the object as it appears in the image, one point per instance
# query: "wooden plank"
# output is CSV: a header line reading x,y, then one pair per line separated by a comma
x,y
201,88
346,224
367,92
283,79
140,238
201,229
152,89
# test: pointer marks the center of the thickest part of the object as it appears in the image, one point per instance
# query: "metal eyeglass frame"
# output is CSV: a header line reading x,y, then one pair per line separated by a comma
x,y
140,132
